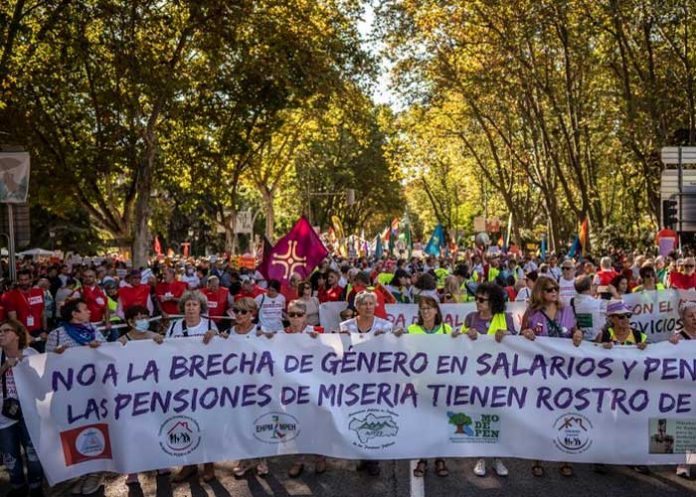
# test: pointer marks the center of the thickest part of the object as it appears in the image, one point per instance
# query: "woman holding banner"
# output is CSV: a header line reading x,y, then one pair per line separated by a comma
x,y
429,323
490,319
13,431
297,315
192,304
245,310
687,312
547,317
77,332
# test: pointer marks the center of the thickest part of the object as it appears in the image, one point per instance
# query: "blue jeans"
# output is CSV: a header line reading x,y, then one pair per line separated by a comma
x,y
12,439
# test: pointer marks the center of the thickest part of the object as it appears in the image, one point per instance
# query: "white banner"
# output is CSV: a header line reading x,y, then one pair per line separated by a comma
x,y
655,313
144,406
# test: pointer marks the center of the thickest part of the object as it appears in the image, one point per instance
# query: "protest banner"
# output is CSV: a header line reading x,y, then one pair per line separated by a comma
x,y
144,406
655,313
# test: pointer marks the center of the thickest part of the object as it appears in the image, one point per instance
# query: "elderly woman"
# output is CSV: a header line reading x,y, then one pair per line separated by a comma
x,y
547,317
192,304
687,312
245,310
297,315
13,431
429,323
366,321
77,332
618,330
491,319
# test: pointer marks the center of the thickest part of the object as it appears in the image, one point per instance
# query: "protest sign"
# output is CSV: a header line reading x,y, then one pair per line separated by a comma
x,y
144,406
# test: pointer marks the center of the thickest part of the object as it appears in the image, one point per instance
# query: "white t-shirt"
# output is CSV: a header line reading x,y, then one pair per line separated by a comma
x,y
12,389
271,311
379,324
524,294
567,289
192,280
176,329
589,315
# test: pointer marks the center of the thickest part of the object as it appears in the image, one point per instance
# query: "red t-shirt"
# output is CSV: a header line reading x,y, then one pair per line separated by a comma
x,y
682,281
96,301
605,277
29,307
331,295
174,289
289,293
380,309
253,293
133,295
217,301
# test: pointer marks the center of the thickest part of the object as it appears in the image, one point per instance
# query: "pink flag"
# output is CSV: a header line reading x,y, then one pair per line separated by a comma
x,y
300,251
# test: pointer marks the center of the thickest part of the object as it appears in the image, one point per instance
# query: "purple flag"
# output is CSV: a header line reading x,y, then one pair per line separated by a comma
x,y
300,251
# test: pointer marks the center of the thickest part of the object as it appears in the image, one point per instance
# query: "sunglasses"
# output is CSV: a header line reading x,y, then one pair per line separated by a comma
x,y
295,314
551,289
567,268
482,300
689,265
622,316
241,311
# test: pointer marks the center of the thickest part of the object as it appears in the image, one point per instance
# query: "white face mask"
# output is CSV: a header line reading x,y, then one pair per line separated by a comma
x,y
142,324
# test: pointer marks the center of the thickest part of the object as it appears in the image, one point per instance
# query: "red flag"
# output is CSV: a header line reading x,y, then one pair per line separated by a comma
x,y
86,443
300,251
157,246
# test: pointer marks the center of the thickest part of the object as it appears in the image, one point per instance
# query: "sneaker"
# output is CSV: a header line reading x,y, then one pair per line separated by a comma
x,y
92,483
683,471
499,467
480,468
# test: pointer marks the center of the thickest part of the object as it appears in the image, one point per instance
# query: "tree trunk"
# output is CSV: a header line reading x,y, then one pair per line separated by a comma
x,y
270,214
141,229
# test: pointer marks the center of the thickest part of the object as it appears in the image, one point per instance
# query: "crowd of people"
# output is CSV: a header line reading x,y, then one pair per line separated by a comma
x,y
54,306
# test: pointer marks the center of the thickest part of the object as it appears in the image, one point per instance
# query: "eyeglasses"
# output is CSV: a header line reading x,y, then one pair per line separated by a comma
x,y
689,265
551,289
425,309
567,268
241,311
482,300
622,316
295,314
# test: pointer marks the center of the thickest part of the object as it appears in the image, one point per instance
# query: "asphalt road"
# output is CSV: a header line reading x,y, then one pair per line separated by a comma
x,y
342,480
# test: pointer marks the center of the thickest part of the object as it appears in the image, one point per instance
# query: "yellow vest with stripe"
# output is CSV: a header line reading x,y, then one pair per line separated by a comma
x,y
417,329
499,322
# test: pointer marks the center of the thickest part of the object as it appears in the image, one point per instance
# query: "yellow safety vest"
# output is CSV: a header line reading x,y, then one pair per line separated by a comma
x,y
417,329
499,322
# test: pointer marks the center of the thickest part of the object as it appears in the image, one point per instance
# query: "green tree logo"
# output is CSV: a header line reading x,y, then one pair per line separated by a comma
x,y
461,421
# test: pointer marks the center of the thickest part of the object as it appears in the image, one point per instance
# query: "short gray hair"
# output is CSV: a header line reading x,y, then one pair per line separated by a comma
x,y
364,295
193,295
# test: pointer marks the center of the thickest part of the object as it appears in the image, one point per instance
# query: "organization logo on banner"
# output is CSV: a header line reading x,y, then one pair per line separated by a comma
x,y
276,428
179,435
374,428
86,443
474,427
573,433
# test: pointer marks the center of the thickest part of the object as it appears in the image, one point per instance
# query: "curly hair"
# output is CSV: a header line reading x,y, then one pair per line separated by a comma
x,y
495,294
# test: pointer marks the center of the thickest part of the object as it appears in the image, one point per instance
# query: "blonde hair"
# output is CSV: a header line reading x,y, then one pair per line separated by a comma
x,y
246,304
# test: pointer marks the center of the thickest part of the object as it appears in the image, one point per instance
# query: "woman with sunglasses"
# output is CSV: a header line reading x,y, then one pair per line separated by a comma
x,y
547,317
490,319
14,436
297,315
429,323
245,310
648,279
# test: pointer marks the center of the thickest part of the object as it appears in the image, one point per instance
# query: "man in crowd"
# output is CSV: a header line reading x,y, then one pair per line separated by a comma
x,y
134,293
219,302
169,291
27,305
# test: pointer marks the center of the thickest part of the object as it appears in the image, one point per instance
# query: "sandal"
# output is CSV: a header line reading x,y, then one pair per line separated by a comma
x,y
185,473
296,470
420,469
566,470
538,470
441,468
262,469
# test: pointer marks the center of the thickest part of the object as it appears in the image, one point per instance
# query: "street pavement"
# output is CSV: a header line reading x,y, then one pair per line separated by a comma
x,y
342,480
